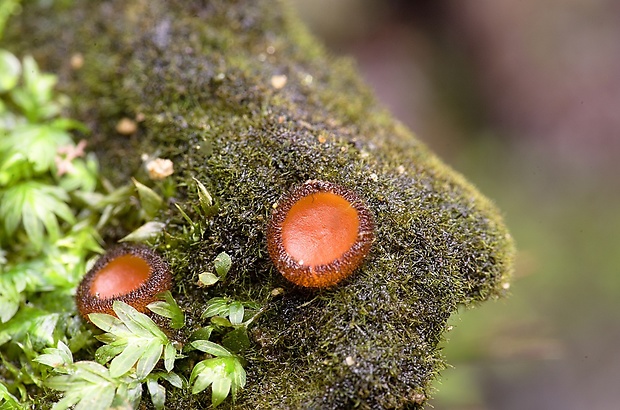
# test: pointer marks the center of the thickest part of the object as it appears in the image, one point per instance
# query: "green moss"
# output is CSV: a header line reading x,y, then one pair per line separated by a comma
x,y
200,74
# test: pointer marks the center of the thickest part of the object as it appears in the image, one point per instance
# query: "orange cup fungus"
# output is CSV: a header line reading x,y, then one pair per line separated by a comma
x,y
133,274
319,234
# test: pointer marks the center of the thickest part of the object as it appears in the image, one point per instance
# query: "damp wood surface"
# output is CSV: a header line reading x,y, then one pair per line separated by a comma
x,y
238,95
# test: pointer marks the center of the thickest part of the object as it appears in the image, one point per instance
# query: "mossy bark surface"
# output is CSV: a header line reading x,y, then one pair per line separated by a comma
x,y
199,72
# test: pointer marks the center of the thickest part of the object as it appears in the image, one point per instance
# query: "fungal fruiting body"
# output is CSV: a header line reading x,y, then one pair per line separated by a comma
x,y
133,274
319,234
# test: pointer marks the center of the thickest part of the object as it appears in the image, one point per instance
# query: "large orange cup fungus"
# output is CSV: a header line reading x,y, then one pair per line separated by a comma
x,y
319,234
133,274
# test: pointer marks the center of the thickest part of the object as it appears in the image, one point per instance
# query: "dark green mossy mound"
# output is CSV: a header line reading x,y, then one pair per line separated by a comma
x,y
200,73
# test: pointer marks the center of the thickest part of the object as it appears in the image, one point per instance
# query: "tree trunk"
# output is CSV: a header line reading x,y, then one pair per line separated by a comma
x,y
239,96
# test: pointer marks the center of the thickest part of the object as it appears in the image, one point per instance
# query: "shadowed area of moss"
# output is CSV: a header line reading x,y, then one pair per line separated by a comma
x,y
201,73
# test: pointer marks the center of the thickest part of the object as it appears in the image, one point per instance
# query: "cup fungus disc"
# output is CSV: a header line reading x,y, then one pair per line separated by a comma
x,y
120,276
319,233
319,228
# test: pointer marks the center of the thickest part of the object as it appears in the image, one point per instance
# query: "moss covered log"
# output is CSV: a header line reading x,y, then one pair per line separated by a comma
x,y
239,96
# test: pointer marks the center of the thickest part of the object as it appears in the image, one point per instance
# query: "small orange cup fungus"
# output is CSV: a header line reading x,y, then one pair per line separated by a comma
x,y
133,274
319,234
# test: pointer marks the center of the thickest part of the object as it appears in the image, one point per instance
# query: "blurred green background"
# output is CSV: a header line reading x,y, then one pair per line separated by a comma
x,y
523,98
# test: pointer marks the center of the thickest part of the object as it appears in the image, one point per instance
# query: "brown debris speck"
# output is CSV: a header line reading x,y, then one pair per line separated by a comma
x,y
126,126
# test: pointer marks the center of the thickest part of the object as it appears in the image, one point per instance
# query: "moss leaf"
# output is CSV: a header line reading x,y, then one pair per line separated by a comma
x,y
169,356
220,389
149,358
10,69
150,201
149,230
207,279
235,313
222,264
157,392
122,363
210,347
168,308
